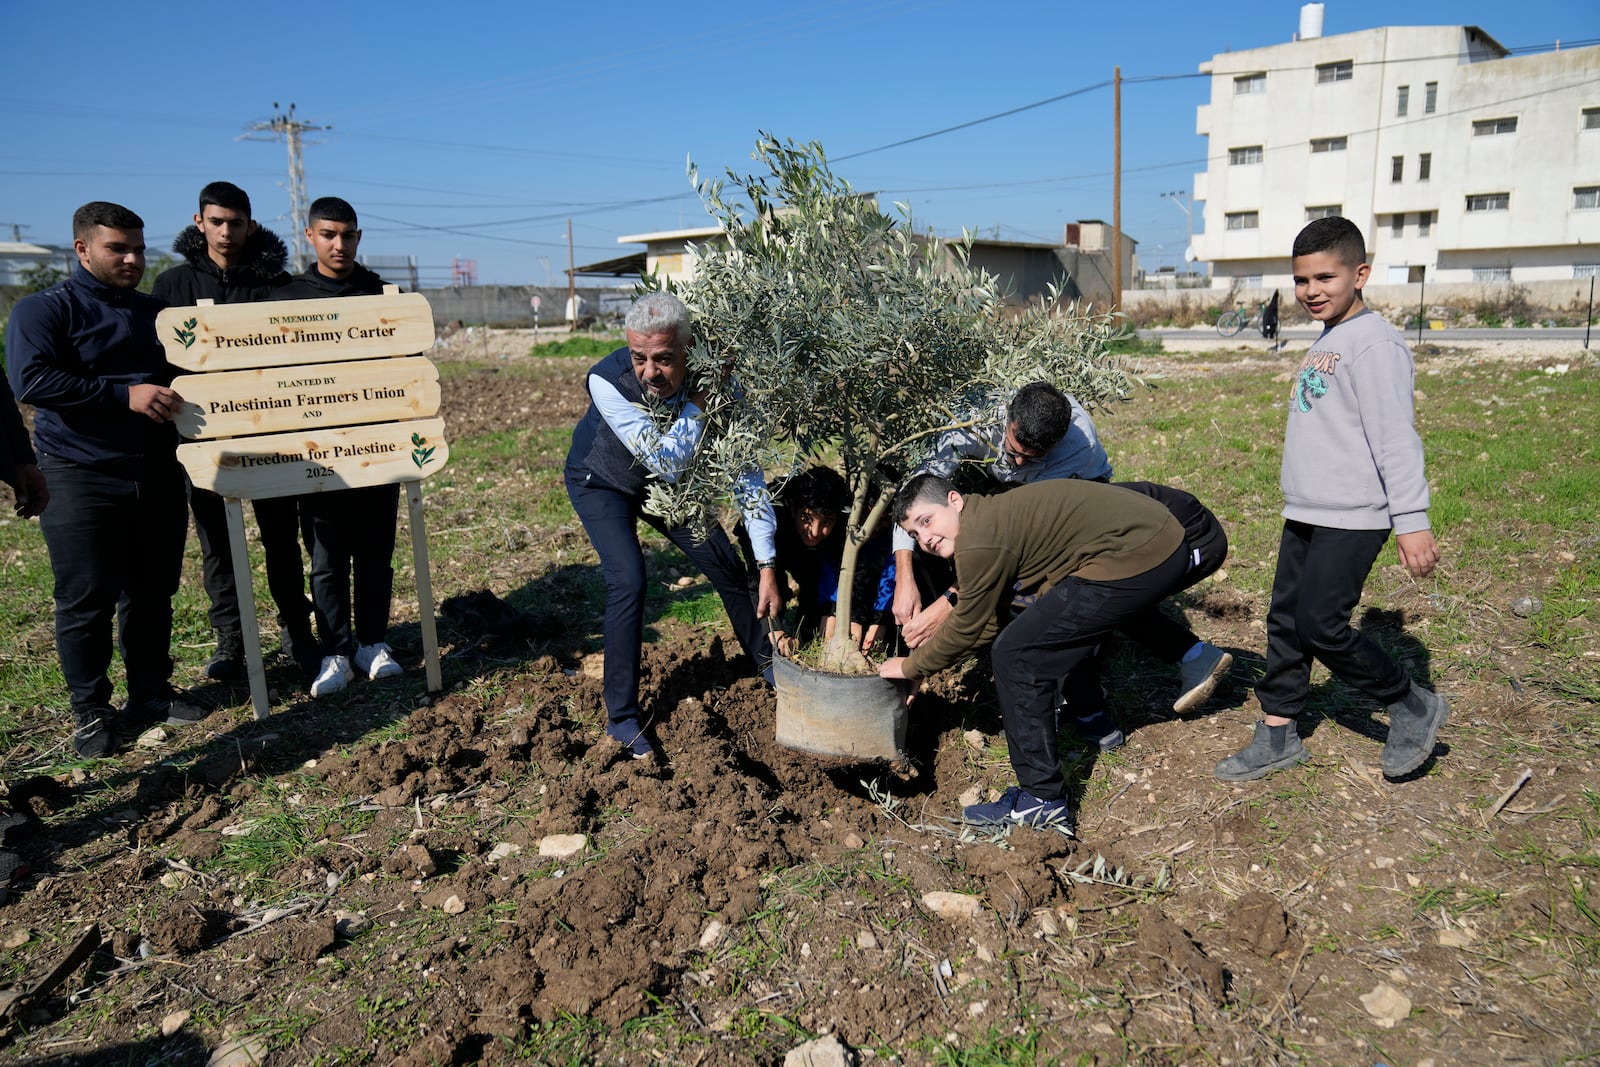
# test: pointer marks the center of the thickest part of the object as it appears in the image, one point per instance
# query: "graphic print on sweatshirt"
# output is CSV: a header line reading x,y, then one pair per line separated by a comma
x,y
1311,383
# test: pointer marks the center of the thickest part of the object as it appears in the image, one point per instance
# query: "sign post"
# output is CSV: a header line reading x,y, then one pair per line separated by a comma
x,y
309,396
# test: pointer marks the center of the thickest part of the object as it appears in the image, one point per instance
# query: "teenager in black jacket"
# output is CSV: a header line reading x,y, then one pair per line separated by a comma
x,y
229,259
350,532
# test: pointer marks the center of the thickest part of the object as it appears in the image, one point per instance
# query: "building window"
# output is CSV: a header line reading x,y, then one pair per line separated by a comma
x,y
1586,198
1430,98
1397,168
1397,225
1586,270
1402,100
1491,274
1250,281
1424,166
1329,144
1246,84
1591,118
1424,224
1324,211
1342,71
1491,127
1489,202
1247,154
1244,220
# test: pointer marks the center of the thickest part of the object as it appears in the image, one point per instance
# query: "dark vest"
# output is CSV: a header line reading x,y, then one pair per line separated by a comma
x,y
598,456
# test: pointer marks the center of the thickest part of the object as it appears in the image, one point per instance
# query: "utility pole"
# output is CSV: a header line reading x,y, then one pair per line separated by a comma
x,y
16,230
1116,194
572,279
288,129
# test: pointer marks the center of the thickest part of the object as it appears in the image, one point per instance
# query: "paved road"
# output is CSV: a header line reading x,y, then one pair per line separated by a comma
x,y
1572,334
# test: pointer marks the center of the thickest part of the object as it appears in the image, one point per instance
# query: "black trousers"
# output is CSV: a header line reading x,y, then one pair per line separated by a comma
x,y
1051,640
1167,638
351,535
279,522
611,519
1316,588
115,538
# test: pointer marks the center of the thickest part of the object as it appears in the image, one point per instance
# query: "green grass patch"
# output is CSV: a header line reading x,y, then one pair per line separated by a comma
x,y
1131,344
584,347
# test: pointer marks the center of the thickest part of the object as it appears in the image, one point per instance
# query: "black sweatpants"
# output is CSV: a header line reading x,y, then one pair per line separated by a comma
x,y
115,537
351,534
1316,588
279,523
1051,640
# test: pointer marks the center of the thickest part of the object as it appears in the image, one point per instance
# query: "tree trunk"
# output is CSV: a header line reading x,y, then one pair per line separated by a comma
x,y
840,653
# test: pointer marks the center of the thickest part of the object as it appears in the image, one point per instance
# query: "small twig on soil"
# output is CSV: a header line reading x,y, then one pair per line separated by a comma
x,y
208,879
272,915
1545,810
1288,985
128,965
1505,798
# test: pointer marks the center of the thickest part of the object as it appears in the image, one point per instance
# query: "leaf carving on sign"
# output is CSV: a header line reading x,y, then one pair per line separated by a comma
x,y
185,333
419,454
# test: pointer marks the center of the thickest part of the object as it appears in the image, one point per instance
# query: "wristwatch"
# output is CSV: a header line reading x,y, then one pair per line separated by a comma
x,y
951,596
766,564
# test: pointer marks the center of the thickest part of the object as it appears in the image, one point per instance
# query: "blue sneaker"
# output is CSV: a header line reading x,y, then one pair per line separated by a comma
x,y
1199,677
1097,727
629,733
1017,807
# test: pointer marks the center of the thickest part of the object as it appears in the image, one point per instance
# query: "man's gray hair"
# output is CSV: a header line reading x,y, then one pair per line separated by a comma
x,y
655,313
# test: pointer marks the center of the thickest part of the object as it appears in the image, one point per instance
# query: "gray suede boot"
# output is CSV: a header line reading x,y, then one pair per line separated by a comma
x,y
1271,749
1414,722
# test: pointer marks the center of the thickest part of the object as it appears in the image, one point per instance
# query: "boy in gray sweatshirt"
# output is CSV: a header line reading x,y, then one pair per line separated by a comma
x,y
1352,471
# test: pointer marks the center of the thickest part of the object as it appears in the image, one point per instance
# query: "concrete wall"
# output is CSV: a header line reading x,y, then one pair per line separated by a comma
x,y
511,305
1548,299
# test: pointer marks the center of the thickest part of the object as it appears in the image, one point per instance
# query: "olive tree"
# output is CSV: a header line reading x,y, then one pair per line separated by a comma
x,y
827,328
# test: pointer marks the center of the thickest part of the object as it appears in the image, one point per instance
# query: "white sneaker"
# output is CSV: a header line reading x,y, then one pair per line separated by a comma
x,y
334,676
375,662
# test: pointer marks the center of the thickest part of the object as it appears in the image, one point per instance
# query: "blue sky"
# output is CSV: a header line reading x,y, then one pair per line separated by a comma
x,y
475,131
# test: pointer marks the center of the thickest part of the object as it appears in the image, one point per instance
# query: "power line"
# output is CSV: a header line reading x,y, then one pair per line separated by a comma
x,y
288,129
974,122
1152,78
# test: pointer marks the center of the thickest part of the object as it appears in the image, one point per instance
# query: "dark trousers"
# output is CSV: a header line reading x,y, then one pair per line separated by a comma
x,y
115,539
611,519
1317,585
1051,640
1167,638
279,522
351,534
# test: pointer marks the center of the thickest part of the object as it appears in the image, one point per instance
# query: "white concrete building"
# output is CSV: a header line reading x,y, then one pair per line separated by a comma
x,y
1459,161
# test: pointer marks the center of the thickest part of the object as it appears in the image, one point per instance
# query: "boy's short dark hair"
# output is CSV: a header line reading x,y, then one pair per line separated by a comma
x,y
1040,415
922,488
818,489
331,209
225,195
103,213
1332,234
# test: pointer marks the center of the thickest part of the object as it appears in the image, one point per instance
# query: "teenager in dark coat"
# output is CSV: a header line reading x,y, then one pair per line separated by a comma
x,y
229,259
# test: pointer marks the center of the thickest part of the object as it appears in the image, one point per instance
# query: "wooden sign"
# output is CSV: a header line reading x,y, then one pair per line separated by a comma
x,y
272,400
320,461
223,337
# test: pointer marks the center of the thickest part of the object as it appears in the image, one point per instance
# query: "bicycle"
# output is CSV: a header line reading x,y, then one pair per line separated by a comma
x,y
1231,322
